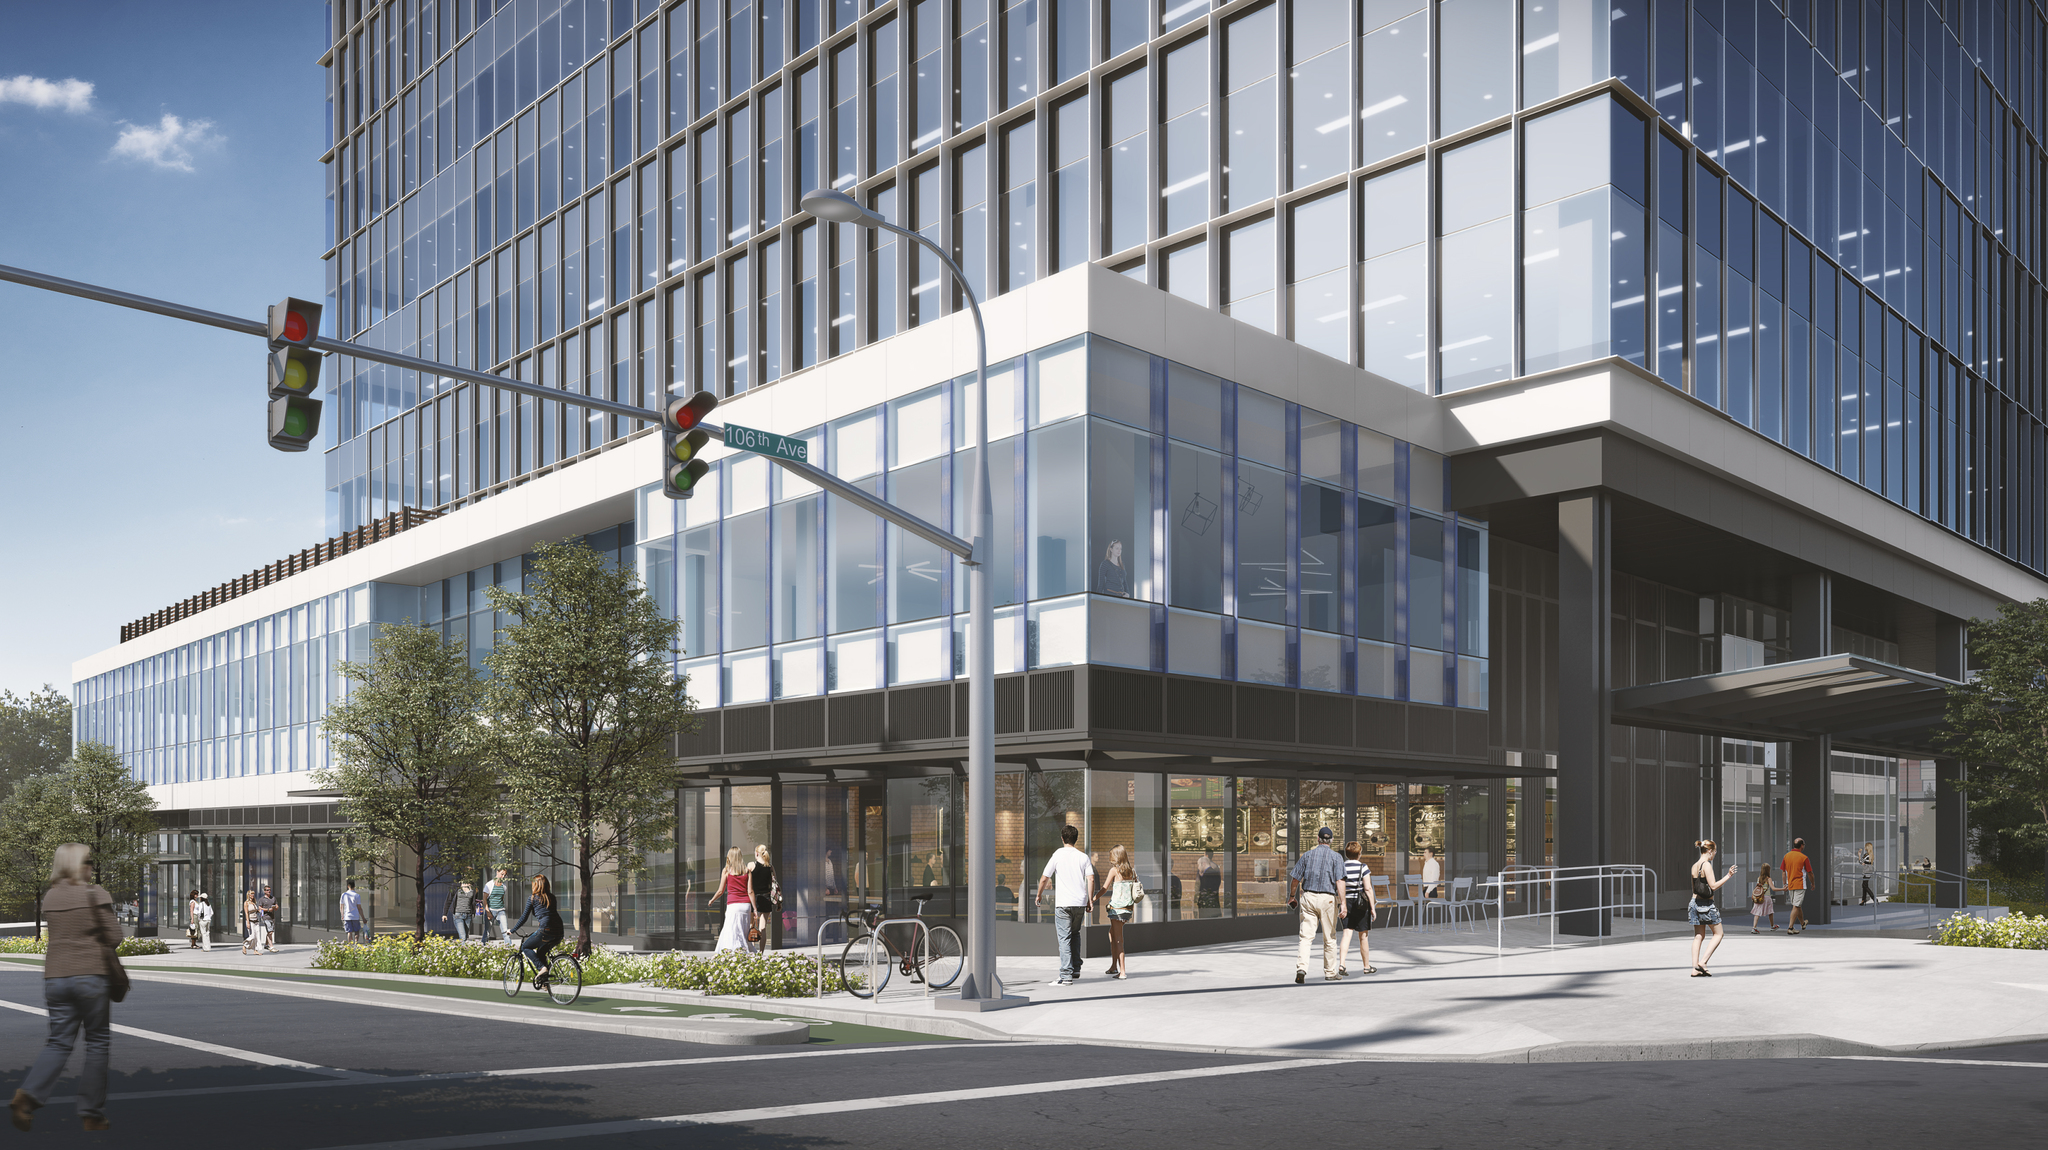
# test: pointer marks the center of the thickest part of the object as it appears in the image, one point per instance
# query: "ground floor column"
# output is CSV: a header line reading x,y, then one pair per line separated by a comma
x,y
1812,820
1951,833
1585,573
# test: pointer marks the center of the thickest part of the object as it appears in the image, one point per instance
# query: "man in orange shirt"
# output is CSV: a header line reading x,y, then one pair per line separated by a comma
x,y
1797,868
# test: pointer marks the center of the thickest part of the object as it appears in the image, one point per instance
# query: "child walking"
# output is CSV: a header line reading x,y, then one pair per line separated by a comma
x,y
1761,902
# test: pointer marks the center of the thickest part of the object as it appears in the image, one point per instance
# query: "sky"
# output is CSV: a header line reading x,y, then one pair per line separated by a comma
x,y
171,150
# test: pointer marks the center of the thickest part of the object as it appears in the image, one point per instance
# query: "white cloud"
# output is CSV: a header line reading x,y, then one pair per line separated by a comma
x,y
36,92
168,145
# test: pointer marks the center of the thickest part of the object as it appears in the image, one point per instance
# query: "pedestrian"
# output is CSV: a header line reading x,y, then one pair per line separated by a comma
x,y
351,914
480,919
1360,908
79,967
1072,879
266,921
1315,889
1124,892
497,900
1869,860
547,928
192,921
1762,902
1432,874
205,922
1208,885
764,894
457,908
1701,911
248,920
739,902
1798,869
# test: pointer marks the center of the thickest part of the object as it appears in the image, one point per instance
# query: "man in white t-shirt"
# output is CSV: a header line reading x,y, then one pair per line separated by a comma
x,y
1073,898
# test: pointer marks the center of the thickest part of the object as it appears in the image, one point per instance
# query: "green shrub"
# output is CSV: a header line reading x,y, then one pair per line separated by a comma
x,y
442,957
2013,932
783,974
23,945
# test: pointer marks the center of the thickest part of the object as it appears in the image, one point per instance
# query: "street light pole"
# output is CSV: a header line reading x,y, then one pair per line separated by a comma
x,y
982,989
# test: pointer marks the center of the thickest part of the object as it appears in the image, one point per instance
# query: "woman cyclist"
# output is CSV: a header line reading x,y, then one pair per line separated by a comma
x,y
547,928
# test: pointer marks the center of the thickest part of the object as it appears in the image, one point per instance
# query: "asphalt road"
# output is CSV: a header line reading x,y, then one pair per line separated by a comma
x,y
301,1073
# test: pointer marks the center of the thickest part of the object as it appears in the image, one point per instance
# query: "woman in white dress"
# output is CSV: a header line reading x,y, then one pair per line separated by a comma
x,y
739,906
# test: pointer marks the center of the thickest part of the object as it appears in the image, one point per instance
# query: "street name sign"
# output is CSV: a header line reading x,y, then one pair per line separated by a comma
x,y
766,443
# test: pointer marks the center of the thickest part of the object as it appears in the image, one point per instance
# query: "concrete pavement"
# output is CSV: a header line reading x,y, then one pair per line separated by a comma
x,y
1442,995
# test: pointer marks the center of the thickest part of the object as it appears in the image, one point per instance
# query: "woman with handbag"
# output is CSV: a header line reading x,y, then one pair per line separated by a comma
x,y
81,975
1123,892
203,910
192,921
739,908
764,894
249,922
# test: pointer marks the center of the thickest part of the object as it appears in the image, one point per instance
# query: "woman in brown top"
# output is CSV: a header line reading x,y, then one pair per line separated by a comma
x,y
83,935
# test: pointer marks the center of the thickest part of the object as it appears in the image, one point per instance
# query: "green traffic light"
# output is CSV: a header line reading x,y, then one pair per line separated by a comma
x,y
295,422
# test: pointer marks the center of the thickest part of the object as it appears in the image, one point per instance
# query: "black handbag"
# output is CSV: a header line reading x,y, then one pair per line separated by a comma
x,y
117,978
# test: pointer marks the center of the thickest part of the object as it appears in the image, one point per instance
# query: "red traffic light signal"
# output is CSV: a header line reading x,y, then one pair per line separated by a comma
x,y
682,442
293,323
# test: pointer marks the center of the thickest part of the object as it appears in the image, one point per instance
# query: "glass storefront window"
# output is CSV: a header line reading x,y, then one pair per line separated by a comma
x,y
1263,839
1199,820
1124,809
1054,798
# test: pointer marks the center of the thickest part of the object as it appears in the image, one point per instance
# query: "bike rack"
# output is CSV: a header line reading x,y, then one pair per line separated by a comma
x,y
875,939
843,922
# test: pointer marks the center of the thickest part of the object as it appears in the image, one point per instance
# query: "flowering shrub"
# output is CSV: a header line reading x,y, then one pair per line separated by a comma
x,y
783,974
129,947
2014,931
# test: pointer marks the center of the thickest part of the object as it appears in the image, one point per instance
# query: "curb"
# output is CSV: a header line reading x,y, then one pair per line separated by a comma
x,y
712,1032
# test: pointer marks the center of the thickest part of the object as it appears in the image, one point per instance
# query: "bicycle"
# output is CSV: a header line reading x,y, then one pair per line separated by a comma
x,y
865,966
564,975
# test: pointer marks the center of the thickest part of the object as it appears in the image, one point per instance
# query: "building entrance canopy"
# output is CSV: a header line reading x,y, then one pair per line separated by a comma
x,y
1857,702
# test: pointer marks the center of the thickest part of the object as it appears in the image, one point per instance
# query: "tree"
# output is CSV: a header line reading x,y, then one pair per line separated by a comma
x,y
90,799
34,818
35,734
409,758
586,707
1998,721
113,814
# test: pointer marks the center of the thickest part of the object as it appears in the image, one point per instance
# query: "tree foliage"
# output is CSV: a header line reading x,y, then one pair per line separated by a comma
x,y
89,799
586,709
410,759
35,734
1998,721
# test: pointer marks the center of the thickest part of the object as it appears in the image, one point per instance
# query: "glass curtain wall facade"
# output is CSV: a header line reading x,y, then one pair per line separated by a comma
x,y
1147,515
1834,207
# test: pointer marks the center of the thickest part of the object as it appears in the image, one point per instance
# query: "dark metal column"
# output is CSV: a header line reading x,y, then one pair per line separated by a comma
x,y
1812,596
1585,573
1951,832
1812,819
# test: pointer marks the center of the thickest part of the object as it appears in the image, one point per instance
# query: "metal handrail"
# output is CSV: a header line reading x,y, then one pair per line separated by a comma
x,y
1935,879
1625,878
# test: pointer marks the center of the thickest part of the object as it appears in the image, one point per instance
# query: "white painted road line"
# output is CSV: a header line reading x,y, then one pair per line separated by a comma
x,y
527,1071
209,1047
1934,1061
850,1105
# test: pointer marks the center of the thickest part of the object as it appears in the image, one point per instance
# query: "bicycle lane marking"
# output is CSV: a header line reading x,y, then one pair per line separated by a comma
x,y
213,1048
813,1109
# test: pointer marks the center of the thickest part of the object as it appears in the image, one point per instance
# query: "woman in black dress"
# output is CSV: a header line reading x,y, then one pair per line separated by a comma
x,y
762,891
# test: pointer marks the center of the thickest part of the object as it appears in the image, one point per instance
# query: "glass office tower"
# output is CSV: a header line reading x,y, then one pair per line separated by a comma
x,y
1830,231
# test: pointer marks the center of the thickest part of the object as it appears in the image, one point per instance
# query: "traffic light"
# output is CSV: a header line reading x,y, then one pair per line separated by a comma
x,y
294,375
682,444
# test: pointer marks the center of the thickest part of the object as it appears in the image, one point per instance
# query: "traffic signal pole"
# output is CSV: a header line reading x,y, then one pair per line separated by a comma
x,y
874,505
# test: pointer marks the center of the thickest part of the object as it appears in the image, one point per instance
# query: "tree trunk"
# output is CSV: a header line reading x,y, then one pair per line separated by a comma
x,y
419,886
585,871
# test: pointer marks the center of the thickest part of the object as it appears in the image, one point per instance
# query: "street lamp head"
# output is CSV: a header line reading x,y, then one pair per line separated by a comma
x,y
838,208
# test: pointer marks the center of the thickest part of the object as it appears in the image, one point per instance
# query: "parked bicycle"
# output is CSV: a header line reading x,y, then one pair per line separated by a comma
x,y
565,974
871,957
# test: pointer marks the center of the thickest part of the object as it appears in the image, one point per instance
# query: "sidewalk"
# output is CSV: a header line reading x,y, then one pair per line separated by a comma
x,y
1439,995
1446,996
